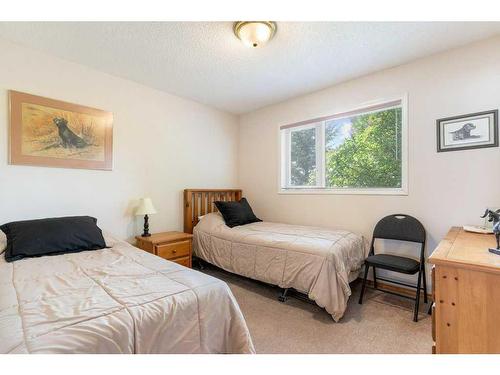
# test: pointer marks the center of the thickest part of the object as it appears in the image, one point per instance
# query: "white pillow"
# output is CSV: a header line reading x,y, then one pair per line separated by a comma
x,y
110,240
3,242
207,215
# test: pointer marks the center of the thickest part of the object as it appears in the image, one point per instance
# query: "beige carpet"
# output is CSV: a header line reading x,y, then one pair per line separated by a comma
x,y
383,324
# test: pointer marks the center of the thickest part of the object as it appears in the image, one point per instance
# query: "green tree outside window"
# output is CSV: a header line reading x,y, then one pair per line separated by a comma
x,y
363,151
369,156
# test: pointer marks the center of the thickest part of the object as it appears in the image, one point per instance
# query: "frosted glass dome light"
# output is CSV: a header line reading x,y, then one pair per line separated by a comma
x,y
254,33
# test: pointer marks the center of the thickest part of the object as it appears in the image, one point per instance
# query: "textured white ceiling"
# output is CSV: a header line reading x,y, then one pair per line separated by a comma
x,y
205,62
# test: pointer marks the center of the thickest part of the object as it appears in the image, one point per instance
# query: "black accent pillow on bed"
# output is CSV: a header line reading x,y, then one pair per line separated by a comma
x,y
236,213
54,236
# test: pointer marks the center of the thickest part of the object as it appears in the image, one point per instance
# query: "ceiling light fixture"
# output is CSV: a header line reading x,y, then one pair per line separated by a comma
x,y
254,33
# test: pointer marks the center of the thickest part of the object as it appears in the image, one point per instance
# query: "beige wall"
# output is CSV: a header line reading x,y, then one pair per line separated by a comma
x,y
162,144
445,189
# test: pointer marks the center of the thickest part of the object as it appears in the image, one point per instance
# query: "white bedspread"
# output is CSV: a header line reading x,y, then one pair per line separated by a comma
x,y
117,300
315,261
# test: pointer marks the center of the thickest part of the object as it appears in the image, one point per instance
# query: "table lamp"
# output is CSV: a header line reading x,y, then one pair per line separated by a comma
x,y
145,208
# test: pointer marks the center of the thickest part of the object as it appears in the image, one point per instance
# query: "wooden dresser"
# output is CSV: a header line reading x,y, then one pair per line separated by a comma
x,y
466,291
173,246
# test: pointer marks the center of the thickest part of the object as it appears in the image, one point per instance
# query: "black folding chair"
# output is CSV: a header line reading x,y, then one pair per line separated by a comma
x,y
402,228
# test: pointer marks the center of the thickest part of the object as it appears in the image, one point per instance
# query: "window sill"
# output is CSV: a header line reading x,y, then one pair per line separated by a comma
x,y
320,191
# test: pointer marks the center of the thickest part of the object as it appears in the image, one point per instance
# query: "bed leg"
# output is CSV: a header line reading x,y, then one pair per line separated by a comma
x,y
199,263
282,297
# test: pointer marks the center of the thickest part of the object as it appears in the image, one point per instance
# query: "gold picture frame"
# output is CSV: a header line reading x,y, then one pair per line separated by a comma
x,y
52,133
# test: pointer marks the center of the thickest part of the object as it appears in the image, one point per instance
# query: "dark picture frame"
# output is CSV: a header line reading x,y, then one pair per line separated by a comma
x,y
467,132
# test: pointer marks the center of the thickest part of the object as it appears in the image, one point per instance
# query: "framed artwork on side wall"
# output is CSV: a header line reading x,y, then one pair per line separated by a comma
x,y
475,130
52,133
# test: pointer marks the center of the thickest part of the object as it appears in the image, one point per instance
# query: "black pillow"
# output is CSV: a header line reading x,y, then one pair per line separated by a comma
x,y
33,238
236,213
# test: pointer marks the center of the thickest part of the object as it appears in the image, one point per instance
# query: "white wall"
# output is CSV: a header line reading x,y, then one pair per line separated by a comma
x,y
162,144
445,189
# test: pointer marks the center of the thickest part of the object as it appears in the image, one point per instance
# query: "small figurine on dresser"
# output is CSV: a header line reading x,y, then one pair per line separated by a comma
x,y
494,216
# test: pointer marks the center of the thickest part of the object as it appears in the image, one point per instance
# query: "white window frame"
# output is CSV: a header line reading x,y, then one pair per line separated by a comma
x,y
284,186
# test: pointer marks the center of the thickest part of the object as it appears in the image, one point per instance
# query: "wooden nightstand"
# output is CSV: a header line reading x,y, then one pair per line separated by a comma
x,y
173,246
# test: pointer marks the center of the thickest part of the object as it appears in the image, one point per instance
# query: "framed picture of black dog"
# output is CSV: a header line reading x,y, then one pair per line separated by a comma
x,y
475,130
52,133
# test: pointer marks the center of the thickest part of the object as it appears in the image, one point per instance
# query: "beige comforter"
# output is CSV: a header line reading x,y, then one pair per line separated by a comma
x,y
117,300
316,261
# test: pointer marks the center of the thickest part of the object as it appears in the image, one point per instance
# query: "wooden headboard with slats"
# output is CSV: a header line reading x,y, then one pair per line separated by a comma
x,y
199,202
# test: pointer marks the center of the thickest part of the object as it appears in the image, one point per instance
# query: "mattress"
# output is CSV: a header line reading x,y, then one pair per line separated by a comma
x,y
116,300
316,261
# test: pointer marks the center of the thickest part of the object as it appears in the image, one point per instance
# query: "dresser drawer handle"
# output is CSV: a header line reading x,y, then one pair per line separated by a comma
x,y
174,251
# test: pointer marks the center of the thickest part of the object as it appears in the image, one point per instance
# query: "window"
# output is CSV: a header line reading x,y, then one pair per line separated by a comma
x,y
362,151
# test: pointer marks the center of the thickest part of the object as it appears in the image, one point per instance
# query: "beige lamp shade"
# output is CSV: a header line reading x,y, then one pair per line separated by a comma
x,y
145,207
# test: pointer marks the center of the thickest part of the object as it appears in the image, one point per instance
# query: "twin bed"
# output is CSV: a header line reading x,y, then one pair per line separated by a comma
x,y
318,262
124,300
116,300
